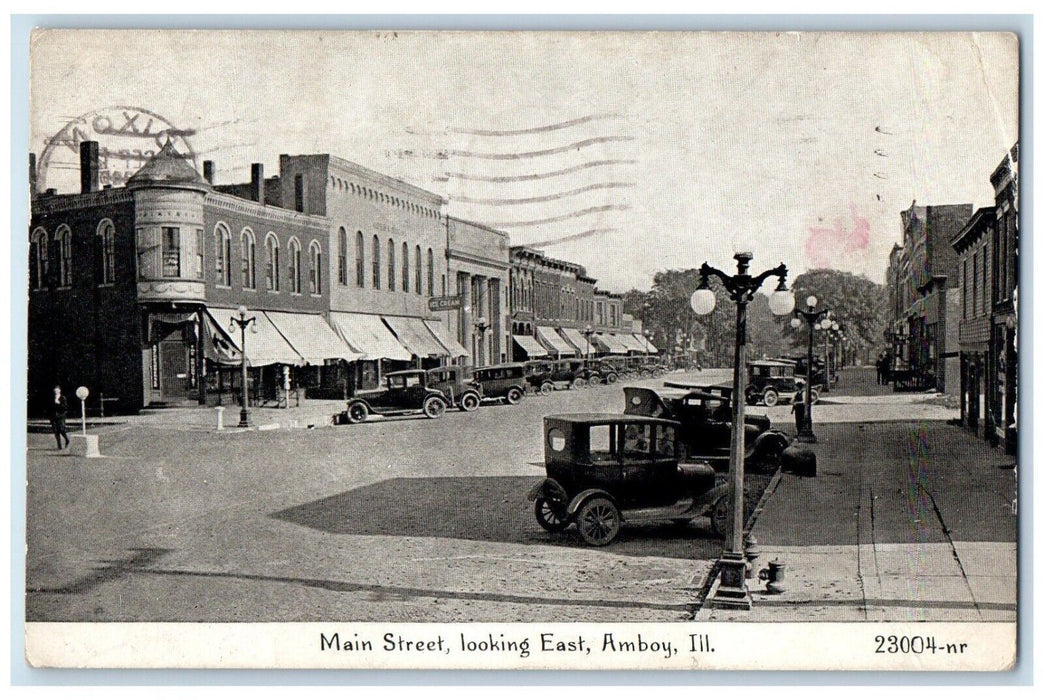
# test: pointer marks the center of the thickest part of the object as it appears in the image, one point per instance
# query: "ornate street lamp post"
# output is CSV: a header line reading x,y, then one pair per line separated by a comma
x,y
812,318
242,322
587,332
481,325
732,587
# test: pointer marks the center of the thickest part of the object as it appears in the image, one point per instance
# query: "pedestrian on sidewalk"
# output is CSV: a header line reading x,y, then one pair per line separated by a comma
x,y
797,407
57,412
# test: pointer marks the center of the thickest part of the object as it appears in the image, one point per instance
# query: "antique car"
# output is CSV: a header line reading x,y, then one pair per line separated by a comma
x,y
505,382
456,382
772,381
619,364
538,375
801,369
705,419
400,393
571,372
599,371
603,468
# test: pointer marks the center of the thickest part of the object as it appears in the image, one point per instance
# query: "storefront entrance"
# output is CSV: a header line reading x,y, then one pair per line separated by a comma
x,y
175,380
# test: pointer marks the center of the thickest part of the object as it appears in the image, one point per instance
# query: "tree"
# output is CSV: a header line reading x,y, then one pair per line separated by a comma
x,y
857,302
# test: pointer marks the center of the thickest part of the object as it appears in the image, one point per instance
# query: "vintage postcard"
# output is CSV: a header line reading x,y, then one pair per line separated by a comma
x,y
523,350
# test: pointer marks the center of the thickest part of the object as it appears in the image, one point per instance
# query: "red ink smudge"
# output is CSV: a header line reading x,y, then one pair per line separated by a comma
x,y
825,245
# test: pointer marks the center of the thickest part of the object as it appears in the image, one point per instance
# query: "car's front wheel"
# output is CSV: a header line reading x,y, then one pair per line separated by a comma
x,y
594,379
610,378
469,401
579,383
357,413
771,397
434,407
547,388
598,521
550,514
513,396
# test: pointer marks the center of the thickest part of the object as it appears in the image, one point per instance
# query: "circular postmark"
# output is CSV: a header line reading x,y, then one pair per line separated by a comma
x,y
127,138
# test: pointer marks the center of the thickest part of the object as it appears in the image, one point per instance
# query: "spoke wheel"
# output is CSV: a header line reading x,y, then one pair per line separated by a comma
x,y
598,521
469,402
434,407
771,397
594,379
513,396
610,379
579,383
547,388
719,516
550,514
357,413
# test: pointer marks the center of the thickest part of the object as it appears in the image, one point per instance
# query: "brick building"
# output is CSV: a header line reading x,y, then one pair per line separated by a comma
x,y
922,278
132,289
974,247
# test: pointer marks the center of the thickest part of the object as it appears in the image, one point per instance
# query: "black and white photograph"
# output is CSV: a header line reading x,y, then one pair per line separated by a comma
x,y
522,349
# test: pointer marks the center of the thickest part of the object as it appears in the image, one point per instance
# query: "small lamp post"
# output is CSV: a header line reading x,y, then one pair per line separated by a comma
x,y
732,588
82,393
241,321
587,332
481,325
812,318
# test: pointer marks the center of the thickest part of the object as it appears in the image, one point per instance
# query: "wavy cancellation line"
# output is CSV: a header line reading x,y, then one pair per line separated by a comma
x,y
573,237
532,130
545,198
563,217
540,176
576,145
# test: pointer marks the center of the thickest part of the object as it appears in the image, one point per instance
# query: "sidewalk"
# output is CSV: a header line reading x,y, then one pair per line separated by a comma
x,y
905,522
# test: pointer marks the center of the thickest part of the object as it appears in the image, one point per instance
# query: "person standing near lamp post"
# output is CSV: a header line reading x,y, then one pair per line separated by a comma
x,y
57,412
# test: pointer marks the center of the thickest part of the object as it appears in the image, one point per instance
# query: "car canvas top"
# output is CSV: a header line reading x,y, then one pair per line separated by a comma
x,y
607,418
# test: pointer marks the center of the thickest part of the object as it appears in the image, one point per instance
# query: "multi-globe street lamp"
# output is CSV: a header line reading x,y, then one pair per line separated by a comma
x,y
587,332
732,587
242,322
815,319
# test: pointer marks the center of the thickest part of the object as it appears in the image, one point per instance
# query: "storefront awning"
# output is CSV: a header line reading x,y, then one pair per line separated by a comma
x,y
530,345
312,337
455,348
368,334
610,344
577,339
415,336
266,345
646,345
554,342
218,345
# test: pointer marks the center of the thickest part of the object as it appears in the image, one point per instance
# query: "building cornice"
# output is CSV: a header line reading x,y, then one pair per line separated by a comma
x,y
350,168
49,204
238,205
475,259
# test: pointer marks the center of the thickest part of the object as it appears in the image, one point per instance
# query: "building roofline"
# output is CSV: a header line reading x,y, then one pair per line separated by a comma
x,y
476,224
973,229
387,180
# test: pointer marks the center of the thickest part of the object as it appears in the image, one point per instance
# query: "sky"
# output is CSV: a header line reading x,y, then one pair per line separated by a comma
x,y
628,153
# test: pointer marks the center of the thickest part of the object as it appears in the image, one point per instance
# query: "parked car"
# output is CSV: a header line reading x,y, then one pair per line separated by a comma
x,y
603,469
705,420
538,375
400,393
772,381
505,382
801,369
600,371
456,382
570,371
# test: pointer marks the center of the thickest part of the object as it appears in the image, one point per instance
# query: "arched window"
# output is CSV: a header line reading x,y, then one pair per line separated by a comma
x,y
271,263
376,263
295,266
248,250
405,267
342,256
222,255
360,261
38,268
418,275
431,273
391,265
315,268
106,238
63,242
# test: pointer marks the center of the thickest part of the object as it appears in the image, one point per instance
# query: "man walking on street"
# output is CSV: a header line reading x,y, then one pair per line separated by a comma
x,y
58,411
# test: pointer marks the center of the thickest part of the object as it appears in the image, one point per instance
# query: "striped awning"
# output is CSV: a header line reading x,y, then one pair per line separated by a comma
x,y
451,344
265,345
577,339
645,344
312,337
368,334
554,342
530,345
415,336
607,342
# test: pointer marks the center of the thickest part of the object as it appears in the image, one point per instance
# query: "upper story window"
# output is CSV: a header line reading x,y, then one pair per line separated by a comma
x,y
272,263
360,261
295,266
376,263
223,255
431,274
342,256
405,267
38,263
417,274
248,252
106,239
315,268
391,265
63,243
200,258
170,241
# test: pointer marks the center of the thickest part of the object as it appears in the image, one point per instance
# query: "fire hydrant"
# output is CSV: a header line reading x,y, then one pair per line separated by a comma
x,y
751,551
775,574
